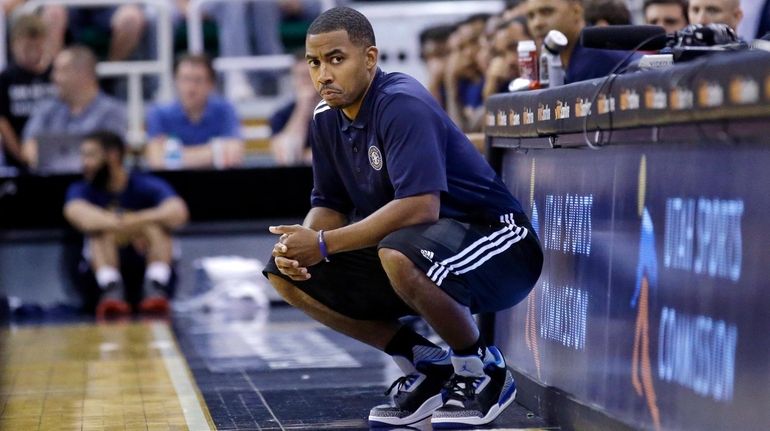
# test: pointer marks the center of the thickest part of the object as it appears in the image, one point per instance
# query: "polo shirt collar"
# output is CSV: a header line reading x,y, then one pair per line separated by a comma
x,y
206,111
366,107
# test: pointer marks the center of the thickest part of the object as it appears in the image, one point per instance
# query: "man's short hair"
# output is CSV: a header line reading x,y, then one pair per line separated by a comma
x,y
28,26
681,3
476,17
83,58
109,141
359,28
613,12
438,33
521,19
197,59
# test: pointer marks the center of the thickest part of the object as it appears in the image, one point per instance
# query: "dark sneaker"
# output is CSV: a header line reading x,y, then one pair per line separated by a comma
x,y
112,304
155,299
477,394
418,393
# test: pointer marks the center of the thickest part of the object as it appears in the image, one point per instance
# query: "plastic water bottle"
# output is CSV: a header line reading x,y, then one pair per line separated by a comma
x,y
551,69
173,153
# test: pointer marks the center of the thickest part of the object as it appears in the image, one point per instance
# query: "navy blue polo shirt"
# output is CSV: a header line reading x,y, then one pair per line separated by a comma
x,y
401,144
142,191
590,63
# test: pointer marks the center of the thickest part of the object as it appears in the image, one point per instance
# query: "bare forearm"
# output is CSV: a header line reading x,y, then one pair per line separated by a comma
x,y
89,218
491,85
199,156
453,103
154,152
171,214
395,215
324,218
10,139
435,86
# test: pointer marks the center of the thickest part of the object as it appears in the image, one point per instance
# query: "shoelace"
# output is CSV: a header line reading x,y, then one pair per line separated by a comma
x,y
401,382
462,387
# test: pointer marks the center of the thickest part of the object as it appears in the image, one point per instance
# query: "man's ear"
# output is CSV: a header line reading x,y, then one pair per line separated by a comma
x,y
577,9
738,14
372,54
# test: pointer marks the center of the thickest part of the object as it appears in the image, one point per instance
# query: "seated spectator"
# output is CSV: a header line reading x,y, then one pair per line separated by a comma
x,y
514,8
484,43
23,83
602,13
464,80
205,123
290,124
669,14
567,16
434,51
127,219
124,25
253,28
504,66
80,107
715,11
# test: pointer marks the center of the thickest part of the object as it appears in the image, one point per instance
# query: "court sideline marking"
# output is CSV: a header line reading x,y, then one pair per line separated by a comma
x,y
178,372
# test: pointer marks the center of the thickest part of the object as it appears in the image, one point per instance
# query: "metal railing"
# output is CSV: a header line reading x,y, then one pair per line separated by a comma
x,y
222,64
3,43
132,70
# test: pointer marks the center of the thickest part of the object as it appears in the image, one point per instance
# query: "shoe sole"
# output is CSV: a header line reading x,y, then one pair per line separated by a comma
x,y
426,409
112,309
155,306
492,414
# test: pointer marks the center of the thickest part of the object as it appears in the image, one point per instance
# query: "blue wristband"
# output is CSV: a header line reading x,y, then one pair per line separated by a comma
x,y
322,245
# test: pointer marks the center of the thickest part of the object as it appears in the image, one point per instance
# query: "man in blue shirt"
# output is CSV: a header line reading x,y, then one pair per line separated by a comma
x,y
567,16
121,214
407,218
205,123
79,108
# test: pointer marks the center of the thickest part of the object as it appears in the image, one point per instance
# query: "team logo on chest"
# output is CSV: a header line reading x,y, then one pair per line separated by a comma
x,y
375,158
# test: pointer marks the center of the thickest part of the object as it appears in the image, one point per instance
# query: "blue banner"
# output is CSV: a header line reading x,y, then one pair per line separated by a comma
x,y
653,302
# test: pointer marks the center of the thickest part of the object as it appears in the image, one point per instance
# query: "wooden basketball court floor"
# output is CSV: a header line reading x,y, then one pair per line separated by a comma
x,y
258,369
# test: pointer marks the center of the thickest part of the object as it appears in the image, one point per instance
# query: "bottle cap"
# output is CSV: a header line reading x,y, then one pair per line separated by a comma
x,y
526,46
555,41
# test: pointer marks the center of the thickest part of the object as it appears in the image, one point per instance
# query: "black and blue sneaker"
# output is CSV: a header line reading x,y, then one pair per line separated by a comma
x,y
417,393
477,392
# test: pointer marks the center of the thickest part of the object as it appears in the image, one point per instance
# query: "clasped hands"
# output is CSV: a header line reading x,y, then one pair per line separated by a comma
x,y
296,250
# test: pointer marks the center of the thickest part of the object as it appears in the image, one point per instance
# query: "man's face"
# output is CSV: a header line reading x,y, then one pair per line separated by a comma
x,y
434,54
506,42
339,69
28,51
464,45
546,15
94,161
193,85
669,16
66,75
715,11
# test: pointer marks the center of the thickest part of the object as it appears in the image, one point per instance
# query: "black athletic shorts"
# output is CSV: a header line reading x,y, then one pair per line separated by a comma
x,y
487,267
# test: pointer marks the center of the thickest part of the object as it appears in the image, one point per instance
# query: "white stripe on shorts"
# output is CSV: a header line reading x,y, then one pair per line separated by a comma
x,y
477,253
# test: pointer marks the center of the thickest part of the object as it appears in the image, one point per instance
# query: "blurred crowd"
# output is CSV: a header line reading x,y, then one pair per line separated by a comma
x,y
51,87
472,59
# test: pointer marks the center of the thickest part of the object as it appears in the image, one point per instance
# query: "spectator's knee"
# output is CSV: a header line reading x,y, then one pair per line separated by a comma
x,y
102,237
55,17
154,232
128,19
